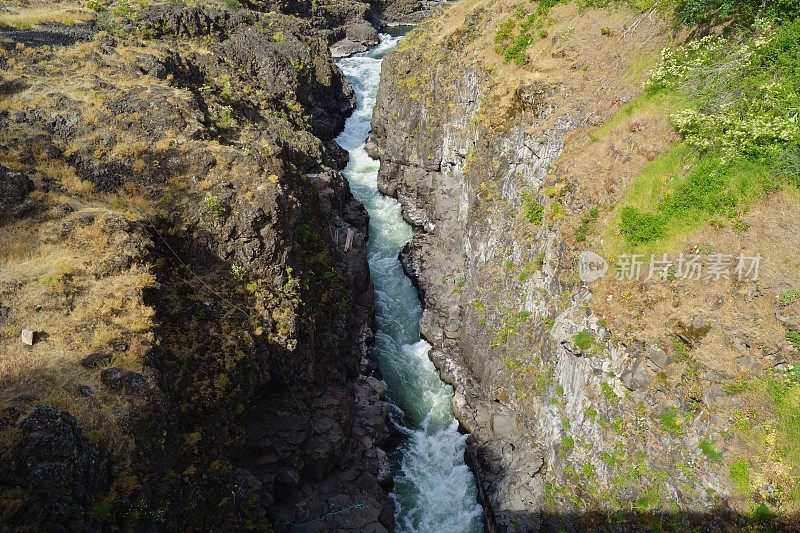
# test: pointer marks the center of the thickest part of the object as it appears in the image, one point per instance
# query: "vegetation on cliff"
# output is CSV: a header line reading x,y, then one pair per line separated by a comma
x,y
657,128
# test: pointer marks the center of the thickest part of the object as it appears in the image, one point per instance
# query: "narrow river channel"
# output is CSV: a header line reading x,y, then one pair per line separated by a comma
x,y
434,490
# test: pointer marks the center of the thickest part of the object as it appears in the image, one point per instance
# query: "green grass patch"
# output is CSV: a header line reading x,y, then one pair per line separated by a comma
x,y
671,422
519,31
789,297
741,137
785,396
740,475
709,449
711,191
794,338
665,102
583,340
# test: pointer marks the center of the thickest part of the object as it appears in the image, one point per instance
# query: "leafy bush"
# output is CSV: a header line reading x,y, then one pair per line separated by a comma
x,y
671,422
693,12
532,209
214,205
101,511
583,340
608,392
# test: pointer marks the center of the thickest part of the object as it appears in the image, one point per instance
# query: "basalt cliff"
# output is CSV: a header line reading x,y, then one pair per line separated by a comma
x,y
516,137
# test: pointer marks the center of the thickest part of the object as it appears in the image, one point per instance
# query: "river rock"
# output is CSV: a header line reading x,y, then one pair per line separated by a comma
x,y
346,48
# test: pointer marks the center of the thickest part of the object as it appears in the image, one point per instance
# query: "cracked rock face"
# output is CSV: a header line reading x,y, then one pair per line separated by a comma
x,y
554,422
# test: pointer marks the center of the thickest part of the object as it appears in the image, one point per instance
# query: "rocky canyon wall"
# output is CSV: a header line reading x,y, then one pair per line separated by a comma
x,y
570,391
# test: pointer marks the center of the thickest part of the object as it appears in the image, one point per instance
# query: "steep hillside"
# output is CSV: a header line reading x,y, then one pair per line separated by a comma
x,y
518,136
176,233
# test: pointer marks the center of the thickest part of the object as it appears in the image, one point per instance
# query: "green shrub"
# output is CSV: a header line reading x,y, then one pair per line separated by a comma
x,y
608,392
671,423
101,511
95,5
238,274
762,514
214,205
567,443
692,12
583,340
532,209
544,378
232,4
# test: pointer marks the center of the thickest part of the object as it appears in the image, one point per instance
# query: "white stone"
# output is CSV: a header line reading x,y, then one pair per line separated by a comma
x,y
28,337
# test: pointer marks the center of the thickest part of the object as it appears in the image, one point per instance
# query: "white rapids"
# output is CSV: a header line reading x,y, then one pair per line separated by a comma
x,y
434,491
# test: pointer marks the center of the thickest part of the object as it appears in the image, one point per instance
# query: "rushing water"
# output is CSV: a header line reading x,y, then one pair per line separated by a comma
x,y
434,490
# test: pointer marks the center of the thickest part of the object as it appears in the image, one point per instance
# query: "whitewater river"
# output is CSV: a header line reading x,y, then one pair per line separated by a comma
x,y
434,490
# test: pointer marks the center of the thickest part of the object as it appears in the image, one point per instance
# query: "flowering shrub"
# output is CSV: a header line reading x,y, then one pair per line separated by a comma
x,y
754,126
681,63
749,91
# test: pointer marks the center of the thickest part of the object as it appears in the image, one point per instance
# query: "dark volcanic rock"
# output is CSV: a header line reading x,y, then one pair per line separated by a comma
x,y
53,465
14,190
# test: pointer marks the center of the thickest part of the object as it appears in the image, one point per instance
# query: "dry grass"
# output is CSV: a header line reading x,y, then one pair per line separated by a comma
x,y
23,18
83,293
597,74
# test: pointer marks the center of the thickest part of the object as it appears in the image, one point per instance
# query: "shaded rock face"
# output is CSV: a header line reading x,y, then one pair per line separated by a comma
x,y
407,11
53,463
14,190
241,396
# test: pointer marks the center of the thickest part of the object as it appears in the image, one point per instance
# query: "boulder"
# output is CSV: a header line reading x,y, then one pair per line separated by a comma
x,y
56,468
345,48
361,32
286,480
658,358
637,376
